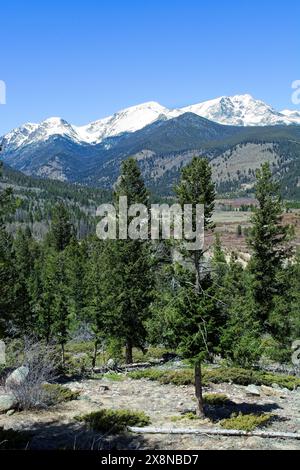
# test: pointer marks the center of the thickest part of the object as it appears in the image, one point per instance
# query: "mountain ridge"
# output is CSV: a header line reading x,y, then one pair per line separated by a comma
x,y
238,110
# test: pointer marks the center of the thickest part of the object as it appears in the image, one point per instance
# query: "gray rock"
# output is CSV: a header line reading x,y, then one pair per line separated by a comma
x,y
10,412
276,386
112,363
252,390
17,377
7,402
276,392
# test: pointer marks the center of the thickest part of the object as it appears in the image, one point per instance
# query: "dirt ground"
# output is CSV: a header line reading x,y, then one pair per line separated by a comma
x,y
56,428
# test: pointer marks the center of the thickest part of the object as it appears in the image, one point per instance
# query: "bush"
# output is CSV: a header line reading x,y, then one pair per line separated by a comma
x,y
235,375
41,362
114,421
245,422
77,364
215,399
56,393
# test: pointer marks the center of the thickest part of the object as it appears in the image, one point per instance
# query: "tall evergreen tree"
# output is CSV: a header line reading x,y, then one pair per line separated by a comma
x,y
241,332
196,187
62,230
7,266
129,279
25,253
268,241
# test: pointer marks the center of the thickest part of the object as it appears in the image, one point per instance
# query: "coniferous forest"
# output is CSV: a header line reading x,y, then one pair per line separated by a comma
x,y
90,306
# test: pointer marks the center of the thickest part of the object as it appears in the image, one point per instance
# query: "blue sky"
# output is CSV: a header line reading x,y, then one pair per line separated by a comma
x,y
83,60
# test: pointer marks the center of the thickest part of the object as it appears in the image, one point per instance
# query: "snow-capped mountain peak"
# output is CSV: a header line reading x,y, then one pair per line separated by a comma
x,y
238,110
127,120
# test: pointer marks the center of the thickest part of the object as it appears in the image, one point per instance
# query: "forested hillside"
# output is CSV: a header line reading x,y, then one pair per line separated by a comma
x,y
37,197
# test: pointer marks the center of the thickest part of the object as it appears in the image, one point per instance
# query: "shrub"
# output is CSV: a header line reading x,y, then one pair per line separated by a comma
x,y
41,362
77,364
235,375
215,399
56,393
245,422
114,421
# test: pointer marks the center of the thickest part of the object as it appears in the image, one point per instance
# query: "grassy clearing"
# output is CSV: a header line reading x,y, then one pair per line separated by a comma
x,y
246,422
234,375
114,421
114,376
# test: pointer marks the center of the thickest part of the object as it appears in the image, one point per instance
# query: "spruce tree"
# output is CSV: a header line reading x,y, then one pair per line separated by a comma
x,y
128,278
62,230
240,340
8,273
268,241
196,187
24,255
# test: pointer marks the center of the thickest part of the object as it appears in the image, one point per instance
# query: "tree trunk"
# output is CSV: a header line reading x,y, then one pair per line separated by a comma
x,y
128,353
197,270
63,354
95,354
198,389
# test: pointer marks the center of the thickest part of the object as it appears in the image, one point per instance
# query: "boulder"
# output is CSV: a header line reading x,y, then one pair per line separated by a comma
x,y
7,402
252,390
112,363
17,377
269,391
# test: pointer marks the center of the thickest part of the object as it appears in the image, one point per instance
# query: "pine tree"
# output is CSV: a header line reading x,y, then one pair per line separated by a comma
x,y
7,281
7,267
218,262
241,332
128,279
55,306
96,303
268,241
75,259
25,253
62,230
196,187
